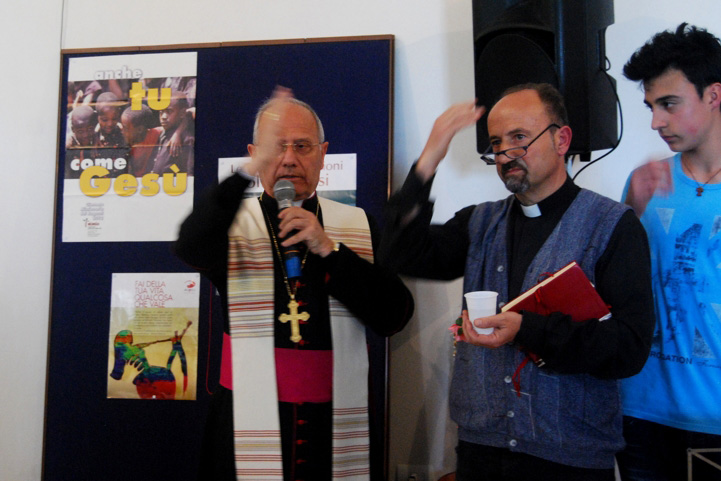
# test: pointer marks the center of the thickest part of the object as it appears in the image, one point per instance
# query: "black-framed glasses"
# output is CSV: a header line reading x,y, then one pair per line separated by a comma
x,y
301,147
489,157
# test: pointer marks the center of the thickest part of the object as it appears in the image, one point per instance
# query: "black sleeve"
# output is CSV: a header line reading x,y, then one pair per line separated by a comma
x,y
372,292
412,245
203,238
614,348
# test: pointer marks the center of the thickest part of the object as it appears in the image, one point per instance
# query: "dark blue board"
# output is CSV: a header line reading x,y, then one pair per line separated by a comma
x,y
89,437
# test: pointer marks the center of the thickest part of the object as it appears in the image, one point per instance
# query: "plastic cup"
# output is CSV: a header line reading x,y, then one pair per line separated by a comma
x,y
481,304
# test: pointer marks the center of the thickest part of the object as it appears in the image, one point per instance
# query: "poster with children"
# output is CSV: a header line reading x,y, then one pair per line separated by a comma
x,y
153,342
129,147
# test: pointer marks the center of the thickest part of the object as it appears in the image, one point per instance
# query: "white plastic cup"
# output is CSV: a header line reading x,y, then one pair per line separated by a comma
x,y
481,304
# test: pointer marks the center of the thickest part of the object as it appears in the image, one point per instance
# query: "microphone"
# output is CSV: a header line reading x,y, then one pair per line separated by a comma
x,y
284,193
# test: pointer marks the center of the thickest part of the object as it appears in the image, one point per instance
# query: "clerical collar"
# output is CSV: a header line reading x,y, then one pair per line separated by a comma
x,y
560,199
299,203
531,210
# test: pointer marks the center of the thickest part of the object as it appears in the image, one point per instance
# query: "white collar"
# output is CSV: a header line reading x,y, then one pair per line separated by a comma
x,y
531,210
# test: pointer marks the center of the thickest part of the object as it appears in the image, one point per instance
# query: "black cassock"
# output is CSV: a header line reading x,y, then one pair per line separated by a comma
x,y
373,294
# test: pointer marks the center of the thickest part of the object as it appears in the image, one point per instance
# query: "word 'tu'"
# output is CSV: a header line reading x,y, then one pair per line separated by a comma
x,y
158,99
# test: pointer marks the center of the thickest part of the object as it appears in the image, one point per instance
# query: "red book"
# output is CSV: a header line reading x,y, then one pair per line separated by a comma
x,y
567,290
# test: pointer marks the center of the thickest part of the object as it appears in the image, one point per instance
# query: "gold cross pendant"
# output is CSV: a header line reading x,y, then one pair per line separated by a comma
x,y
294,319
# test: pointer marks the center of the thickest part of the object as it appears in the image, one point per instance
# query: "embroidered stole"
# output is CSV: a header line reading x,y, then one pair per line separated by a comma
x,y
251,299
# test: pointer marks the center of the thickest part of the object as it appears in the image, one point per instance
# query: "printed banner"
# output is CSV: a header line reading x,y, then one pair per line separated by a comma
x,y
129,149
153,345
337,177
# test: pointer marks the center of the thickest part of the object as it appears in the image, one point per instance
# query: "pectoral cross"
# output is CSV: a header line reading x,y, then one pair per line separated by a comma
x,y
294,319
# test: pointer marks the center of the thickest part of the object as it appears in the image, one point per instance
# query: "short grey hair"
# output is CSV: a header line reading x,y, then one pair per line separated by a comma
x,y
266,104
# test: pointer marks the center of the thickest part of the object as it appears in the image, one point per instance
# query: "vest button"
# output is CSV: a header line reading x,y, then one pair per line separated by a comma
x,y
507,379
500,268
510,414
513,443
501,304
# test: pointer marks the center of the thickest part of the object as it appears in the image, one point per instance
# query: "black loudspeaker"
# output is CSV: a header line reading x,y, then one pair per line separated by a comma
x,y
561,42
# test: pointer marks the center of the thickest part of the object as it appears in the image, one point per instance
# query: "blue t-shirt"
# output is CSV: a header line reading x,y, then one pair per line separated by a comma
x,y
680,385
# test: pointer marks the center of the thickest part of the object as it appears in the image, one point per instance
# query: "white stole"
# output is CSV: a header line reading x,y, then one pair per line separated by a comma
x,y
251,299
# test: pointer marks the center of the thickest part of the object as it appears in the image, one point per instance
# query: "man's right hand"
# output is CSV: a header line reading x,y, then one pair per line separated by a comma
x,y
453,120
645,181
266,150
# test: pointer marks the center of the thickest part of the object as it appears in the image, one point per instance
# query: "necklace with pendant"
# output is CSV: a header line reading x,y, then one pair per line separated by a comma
x,y
699,187
293,316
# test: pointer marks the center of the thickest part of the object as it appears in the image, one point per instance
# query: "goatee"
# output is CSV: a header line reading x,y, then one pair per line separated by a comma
x,y
516,184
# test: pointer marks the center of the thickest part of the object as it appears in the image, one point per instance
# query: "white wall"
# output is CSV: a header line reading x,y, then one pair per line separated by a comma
x,y
30,46
433,69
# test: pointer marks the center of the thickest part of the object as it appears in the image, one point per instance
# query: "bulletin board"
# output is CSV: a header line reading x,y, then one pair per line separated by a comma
x,y
113,240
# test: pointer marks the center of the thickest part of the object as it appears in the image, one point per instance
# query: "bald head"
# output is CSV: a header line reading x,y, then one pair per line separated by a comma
x,y
292,100
549,96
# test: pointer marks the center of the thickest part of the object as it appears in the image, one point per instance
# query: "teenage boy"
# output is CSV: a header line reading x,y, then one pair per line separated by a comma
x,y
673,404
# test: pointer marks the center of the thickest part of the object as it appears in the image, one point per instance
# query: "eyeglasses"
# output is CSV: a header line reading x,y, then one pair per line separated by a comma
x,y
489,157
300,147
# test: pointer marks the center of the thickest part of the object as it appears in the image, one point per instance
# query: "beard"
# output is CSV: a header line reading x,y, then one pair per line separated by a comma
x,y
517,183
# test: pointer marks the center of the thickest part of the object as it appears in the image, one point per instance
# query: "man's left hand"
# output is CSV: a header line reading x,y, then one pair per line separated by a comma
x,y
309,231
505,327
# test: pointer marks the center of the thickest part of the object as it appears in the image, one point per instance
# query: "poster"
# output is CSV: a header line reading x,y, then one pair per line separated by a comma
x,y
129,157
337,179
153,342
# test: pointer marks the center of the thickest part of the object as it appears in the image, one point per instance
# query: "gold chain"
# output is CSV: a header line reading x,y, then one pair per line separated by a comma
x,y
291,292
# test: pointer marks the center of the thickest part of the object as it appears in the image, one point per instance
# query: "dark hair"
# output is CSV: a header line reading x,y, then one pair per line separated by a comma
x,y
143,117
180,99
551,98
107,99
83,113
692,50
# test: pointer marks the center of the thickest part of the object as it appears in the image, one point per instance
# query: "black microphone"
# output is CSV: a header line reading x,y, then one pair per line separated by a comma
x,y
284,193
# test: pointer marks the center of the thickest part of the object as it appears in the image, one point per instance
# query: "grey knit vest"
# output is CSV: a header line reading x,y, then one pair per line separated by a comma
x,y
569,419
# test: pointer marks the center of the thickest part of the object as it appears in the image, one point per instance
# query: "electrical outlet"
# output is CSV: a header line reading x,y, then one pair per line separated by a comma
x,y
406,472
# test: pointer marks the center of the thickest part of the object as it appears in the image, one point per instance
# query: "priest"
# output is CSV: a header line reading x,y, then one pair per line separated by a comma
x,y
300,287
557,417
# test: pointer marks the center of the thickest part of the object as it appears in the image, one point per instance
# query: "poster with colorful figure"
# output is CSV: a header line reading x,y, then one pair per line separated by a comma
x,y
129,158
153,342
